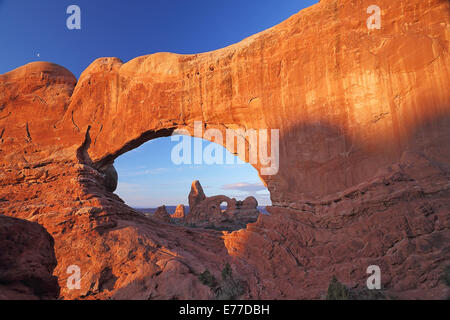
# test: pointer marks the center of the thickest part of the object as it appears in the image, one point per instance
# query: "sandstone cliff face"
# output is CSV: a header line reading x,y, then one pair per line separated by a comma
x,y
364,156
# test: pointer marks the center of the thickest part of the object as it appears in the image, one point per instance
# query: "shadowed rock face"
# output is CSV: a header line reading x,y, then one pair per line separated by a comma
x,y
161,214
27,260
111,179
364,120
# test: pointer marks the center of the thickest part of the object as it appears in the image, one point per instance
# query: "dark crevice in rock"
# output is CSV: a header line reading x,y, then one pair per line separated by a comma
x,y
73,122
82,152
95,140
29,139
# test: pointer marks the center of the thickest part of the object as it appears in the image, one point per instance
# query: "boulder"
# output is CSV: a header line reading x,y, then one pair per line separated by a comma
x,y
111,179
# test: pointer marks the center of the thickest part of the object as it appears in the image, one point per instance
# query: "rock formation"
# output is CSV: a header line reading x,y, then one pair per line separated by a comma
x,y
196,195
111,179
27,260
161,214
244,212
209,214
179,212
364,120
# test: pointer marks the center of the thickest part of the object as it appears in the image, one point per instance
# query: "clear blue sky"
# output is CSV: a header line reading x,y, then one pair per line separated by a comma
x,y
35,30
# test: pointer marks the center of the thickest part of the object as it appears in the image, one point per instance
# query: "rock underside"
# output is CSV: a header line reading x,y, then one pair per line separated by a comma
x,y
364,177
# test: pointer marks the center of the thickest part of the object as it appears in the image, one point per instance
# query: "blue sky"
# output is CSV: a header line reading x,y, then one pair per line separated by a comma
x,y
148,177
35,30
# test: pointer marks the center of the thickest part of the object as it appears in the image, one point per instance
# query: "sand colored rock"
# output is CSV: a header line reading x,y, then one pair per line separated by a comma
x,y
364,118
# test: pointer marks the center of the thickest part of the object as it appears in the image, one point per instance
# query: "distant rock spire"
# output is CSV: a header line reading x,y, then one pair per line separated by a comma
x,y
179,212
196,195
162,214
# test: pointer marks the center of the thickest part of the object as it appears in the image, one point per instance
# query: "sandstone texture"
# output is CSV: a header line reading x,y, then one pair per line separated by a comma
x,y
27,260
364,177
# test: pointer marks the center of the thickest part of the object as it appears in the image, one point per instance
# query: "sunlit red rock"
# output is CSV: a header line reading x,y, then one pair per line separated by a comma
x,y
364,157
179,212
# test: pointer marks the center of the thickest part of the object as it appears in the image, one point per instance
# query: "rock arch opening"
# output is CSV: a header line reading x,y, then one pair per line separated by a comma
x,y
224,206
220,196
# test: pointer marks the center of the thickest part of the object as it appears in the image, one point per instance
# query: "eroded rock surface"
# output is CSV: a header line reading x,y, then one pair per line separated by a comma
x,y
27,261
364,118
405,210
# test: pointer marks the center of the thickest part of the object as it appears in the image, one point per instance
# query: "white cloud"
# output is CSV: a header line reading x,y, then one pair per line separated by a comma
x,y
245,187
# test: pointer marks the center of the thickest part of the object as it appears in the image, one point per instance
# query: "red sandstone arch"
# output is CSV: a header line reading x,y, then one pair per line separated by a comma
x,y
364,149
335,131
